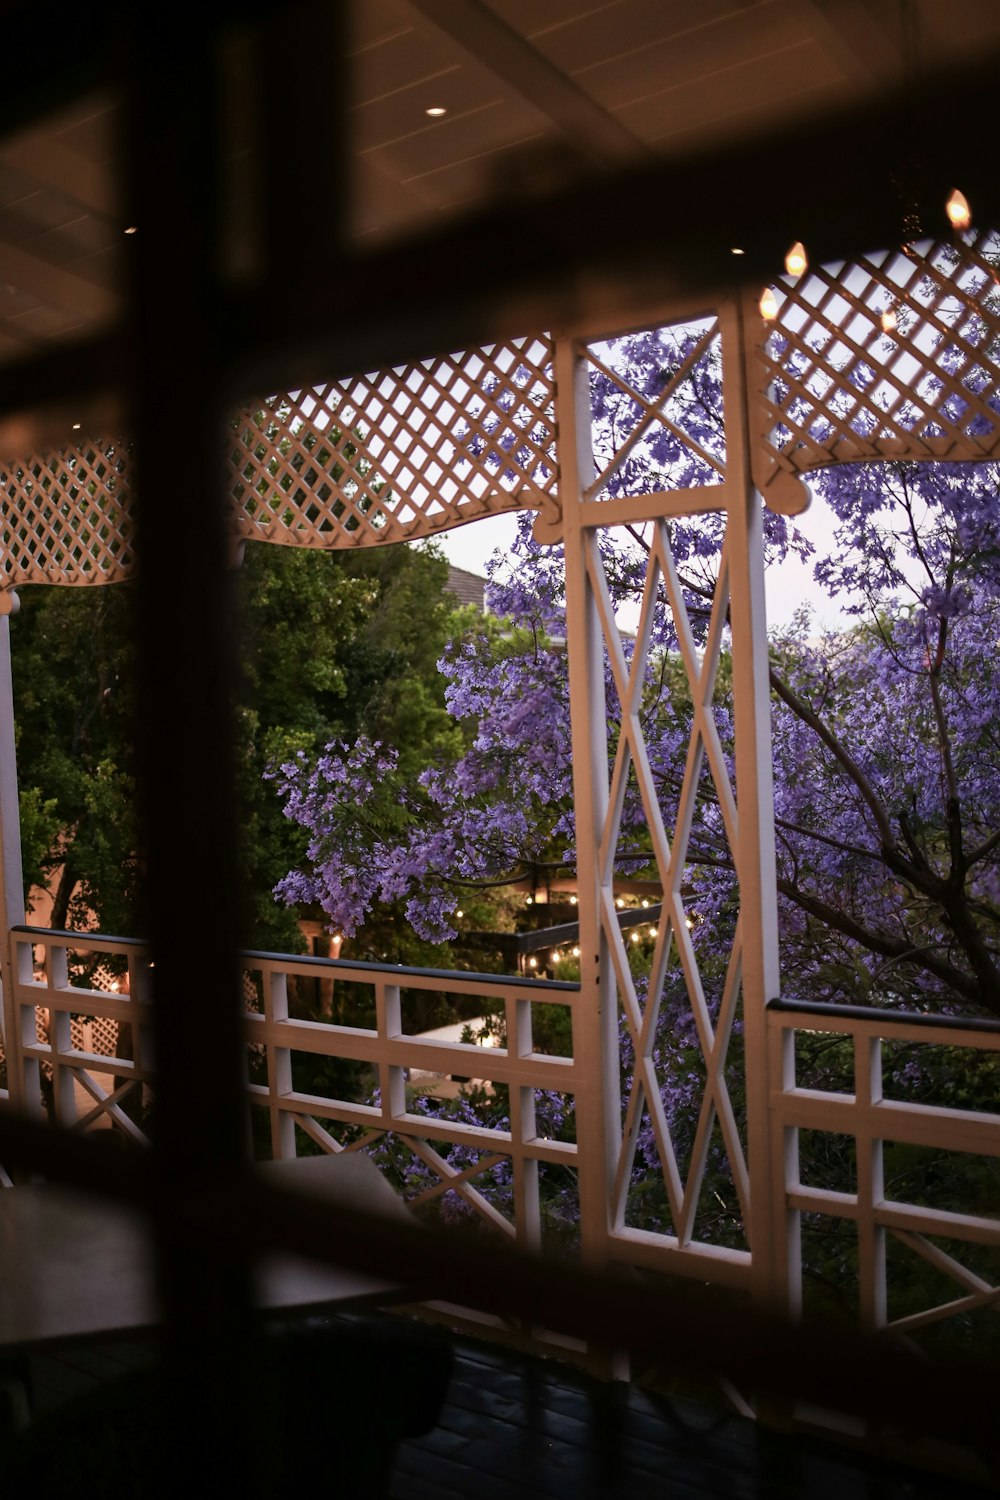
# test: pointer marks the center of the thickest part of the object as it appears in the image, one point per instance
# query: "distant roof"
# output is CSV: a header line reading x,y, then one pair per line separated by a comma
x,y
468,588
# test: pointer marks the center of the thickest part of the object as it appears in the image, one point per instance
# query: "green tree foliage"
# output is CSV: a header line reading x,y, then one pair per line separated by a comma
x,y
331,644
74,704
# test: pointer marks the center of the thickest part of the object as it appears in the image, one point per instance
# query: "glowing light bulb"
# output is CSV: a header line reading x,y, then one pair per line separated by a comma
x,y
554,957
572,900
688,923
619,902
644,901
576,953
768,305
796,260
436,111
532,963
653,931
958,211
635,937
529,900
889,320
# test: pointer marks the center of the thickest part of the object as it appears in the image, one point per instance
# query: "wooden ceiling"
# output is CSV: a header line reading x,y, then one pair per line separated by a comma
x,y
537,95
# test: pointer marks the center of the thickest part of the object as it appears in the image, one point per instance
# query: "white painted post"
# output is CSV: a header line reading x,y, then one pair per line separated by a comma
x,y
595,1022
755,856
11,880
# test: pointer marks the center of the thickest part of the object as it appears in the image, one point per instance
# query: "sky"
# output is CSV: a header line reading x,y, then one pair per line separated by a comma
x,y
789,584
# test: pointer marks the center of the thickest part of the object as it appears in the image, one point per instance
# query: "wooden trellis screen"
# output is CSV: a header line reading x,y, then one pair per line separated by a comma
x,y
383,457
897,356
397,454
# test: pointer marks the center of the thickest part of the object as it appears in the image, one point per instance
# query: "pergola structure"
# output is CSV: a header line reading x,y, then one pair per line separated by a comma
x,y
370,312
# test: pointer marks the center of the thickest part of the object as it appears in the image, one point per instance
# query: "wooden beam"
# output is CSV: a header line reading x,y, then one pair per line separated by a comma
x,y
57,287
854,36
48,163
519,67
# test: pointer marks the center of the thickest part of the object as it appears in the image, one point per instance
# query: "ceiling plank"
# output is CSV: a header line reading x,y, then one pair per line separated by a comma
x,y
511,59
55,286
854,37
85,183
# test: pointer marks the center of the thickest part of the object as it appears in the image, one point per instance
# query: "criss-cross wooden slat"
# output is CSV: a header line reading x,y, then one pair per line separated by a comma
x,y
654,413
978,1292
451,1178
670,856
832,384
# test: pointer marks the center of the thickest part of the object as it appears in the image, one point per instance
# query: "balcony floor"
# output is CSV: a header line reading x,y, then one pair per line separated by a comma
x,y
520,1428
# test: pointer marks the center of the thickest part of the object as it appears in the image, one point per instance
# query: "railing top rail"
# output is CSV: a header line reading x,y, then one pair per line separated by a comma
x,y
467,978
814,1008
68,938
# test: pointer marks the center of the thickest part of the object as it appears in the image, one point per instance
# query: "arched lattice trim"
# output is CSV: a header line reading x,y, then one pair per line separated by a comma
x,y
384,457
897,356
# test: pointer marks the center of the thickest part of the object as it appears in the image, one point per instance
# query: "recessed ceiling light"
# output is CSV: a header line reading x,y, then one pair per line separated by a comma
x,y
737,251
77,426
132,229
436,111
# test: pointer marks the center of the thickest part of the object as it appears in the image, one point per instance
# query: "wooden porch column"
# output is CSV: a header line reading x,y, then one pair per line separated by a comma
x,y
11,878
755,855
595,1029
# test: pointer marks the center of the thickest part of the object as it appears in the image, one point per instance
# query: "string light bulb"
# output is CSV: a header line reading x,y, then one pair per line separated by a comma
x,y
958,211
796,260
889,320
768,305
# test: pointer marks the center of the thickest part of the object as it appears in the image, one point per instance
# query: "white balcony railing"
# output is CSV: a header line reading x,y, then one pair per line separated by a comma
x,y
85,1051
70,985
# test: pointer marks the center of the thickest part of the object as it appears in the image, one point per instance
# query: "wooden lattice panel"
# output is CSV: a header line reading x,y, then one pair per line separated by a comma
x,y
65,518
383,457
399,453
895,357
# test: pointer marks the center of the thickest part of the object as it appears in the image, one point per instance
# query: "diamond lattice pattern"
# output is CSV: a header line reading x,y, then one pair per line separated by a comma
x,y
65,518
399,453
384,457
896,357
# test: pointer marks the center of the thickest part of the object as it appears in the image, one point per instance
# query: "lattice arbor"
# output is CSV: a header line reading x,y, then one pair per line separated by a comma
x,y
644,469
